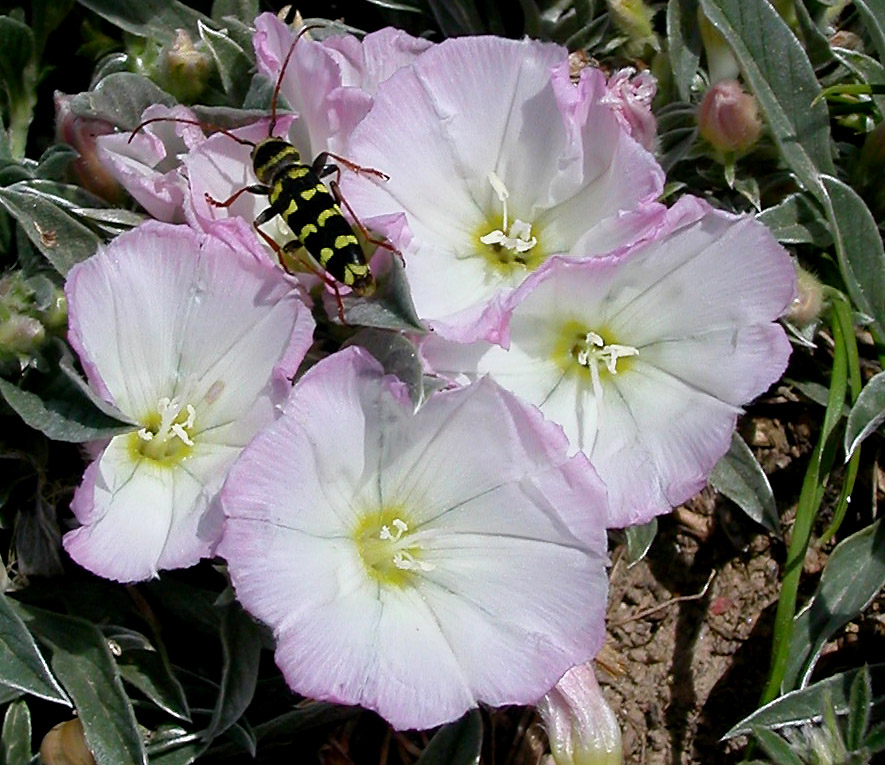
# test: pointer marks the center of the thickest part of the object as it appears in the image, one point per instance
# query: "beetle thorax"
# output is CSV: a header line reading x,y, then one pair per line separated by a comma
x,y
271,156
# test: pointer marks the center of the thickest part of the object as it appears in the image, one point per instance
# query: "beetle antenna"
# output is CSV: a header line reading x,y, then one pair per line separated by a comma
x,y
276,90
182,120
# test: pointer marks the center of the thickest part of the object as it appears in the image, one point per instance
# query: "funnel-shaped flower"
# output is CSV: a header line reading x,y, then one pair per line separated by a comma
x,y
645,357
498,161
193,339
416,563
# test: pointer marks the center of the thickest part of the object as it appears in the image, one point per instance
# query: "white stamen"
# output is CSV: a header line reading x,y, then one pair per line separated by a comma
x,y
405,561
517,237
595,351
145,435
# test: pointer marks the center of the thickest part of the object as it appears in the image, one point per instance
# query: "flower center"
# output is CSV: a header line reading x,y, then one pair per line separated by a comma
x,y
593,353
167,436
509,244
388,549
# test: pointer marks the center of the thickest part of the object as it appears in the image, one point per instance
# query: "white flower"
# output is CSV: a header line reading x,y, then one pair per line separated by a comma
x,y
416,563
497,161
194,339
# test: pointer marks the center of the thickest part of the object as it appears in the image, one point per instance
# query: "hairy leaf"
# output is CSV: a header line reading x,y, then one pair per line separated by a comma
x,y
83,663
739,477
778,71
22,666
806,705
854,574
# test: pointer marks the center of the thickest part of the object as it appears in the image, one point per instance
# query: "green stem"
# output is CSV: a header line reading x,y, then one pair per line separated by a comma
x,y
842,312
809,502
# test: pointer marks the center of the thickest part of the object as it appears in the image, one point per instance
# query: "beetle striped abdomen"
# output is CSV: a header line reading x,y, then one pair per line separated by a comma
x,y
309,209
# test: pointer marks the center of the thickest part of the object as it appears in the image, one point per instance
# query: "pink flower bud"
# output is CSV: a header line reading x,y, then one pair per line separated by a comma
x,y
80,134
580,725
728,118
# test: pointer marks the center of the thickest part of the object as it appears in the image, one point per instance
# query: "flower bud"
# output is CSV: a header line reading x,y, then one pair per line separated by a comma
x,y
80,134
66,744
580,725
183,69
809,301
633,18
728,118
21,335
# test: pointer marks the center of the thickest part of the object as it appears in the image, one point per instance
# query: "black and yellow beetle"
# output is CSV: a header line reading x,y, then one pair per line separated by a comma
x,y
297,194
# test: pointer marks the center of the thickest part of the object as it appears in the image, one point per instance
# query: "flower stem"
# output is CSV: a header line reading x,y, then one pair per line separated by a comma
x,y
809,502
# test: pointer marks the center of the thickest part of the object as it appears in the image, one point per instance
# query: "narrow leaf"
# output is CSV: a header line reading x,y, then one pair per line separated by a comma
x,y
22,666
858,249
83,663
804,706
458,743
147,671
854,574
867,68
156,19
231,61
62,412
61,239
776,748
241,646
797,220
873,14
739,476
859,713
16,749
867,414
684,43
120,98
783,80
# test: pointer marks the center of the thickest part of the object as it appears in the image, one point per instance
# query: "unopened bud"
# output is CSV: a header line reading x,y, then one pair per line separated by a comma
x,y
80,133
183,69
633,18
580,725
809,301
728,118
21,335
66,744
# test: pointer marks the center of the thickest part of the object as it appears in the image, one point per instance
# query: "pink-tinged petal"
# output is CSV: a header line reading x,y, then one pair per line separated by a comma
x,y
220,167
166,320
568,168
730,270
131,516
690,318
147,164
301,516
657,441
330,84
368,62
630,96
